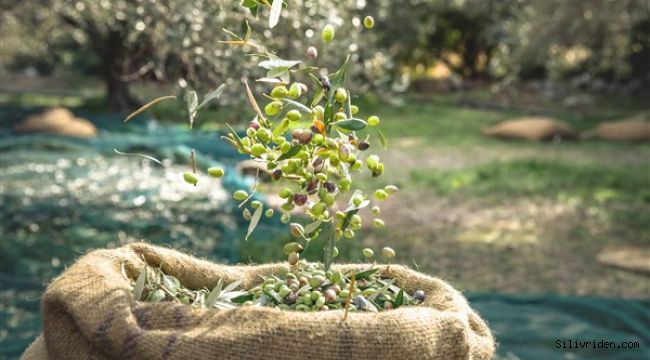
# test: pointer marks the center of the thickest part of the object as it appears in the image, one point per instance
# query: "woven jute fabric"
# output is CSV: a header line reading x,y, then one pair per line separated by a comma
x,y
89,313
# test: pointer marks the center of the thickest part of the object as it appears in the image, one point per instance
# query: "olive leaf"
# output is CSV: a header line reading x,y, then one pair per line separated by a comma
x,y
146,106
237,138
289,154
138,289
253,102
318,96
297,105
276,62
348,105
269,80
240,299
215,94
139,155
232,286
255,219
351,124
248,32
192,101
399,299
382,139
171,284
365,273
313,226
214,294
277,72
329,247
276,9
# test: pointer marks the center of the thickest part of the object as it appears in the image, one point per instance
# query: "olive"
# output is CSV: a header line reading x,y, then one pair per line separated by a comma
x,y
279,91
330,186
418,295
294,115
240,195
300,199
330,295
312,53
290,299
325,81
360,302
276,174
293,258
190,178
363,145
368,22
216,172
328,33
388,252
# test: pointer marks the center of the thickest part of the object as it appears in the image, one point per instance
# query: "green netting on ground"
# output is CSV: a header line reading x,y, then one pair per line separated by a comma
x,y
61,197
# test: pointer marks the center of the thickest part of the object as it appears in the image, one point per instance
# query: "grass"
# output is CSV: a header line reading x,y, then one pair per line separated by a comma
x,y
535,177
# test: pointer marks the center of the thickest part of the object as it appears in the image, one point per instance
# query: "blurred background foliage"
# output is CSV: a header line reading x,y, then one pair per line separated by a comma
x,y
591,43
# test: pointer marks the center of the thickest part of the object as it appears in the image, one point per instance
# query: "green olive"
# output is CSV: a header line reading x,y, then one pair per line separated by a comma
x,y
279,91
240,195
341,95
190,178
273,108
258,150
381,195
379,223
367,252
373,121
328,33
388,252
368,22
294,115
391,189
295,90
216,172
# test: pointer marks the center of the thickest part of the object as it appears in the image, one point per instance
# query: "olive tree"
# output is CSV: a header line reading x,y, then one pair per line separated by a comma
x,y
180,41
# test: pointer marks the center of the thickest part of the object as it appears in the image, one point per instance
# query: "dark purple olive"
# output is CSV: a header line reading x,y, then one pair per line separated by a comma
x,y
290,299
312,187
330,186
363,146
276,175
300,199
326,82
419,296
360,302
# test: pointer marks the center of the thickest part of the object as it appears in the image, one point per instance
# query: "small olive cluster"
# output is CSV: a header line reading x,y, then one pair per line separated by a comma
x,y
309,287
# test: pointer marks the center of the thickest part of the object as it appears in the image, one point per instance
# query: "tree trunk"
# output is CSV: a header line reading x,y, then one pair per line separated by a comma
x,y
118,95
117,89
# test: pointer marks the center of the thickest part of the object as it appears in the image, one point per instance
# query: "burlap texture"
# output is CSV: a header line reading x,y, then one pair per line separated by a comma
x,y
88,313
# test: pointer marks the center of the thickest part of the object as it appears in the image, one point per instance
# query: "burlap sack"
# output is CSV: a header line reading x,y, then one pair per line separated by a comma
x,y
625,130
531,128
88,313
